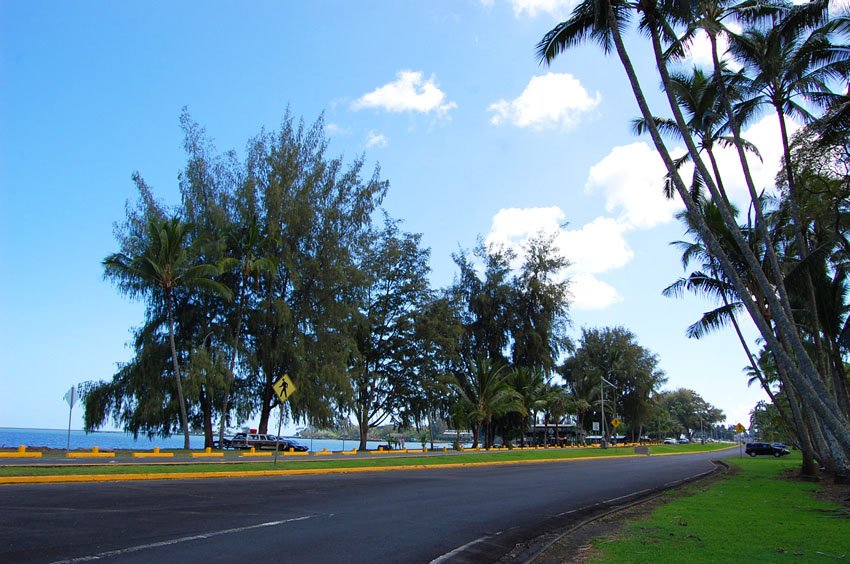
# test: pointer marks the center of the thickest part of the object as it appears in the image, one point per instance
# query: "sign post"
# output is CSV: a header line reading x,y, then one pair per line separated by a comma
x,y
283,388
740,430
616,424
71,398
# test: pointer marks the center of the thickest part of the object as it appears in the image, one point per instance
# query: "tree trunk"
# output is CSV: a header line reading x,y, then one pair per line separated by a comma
x,y
364,435
225,405
184,418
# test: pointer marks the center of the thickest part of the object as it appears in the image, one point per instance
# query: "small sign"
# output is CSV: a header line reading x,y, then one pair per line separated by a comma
x,y
284,387
71,397
739,428
596,425
615,422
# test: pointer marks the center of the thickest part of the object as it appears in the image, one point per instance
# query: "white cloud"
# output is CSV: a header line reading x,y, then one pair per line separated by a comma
x,y
409,93
595,248
556,8
590,293
548,101
334,129
631,178
699,50
765,135
374,139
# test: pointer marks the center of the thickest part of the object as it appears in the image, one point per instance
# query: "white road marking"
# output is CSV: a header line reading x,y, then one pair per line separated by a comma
x,y
460,549
160,544
625,496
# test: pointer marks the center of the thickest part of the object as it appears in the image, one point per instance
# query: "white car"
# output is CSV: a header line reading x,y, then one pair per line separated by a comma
x,y
669,441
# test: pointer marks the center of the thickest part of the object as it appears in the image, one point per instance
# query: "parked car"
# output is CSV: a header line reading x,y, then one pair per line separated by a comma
x,y
777,450
669,441
286,444
257,441
684,441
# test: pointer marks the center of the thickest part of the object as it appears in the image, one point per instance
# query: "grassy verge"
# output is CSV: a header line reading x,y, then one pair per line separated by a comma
x,y
756,513
359,461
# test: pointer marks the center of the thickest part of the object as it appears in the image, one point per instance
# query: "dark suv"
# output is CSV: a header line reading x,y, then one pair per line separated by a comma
x,y
776,449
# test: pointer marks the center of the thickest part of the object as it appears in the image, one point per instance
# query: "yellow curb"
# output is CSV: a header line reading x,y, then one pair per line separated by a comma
x,y
295,453
323,453
90,455
20,455
8,480
206,454
256,454
153,455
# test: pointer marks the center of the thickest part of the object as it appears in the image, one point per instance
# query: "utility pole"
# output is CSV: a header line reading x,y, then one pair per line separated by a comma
x,y
602,383
603,428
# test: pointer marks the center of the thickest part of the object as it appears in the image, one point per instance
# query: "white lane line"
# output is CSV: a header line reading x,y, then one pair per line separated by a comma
x,y
201,536
447,556
625,496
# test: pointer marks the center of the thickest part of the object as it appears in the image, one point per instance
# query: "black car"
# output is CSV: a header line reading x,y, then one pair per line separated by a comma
x,y
777,449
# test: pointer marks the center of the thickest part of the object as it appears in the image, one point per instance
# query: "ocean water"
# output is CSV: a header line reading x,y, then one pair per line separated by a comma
x,y
58,438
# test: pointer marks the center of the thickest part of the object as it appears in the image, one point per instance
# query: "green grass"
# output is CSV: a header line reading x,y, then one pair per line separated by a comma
x,y
134,466
755,514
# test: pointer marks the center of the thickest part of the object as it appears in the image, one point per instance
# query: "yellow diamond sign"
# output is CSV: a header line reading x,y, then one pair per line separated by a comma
x,y
739,428
284,387
615,422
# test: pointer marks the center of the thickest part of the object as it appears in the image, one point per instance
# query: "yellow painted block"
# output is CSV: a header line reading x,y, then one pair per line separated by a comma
x,y
20,453
206,453
323,452
295,453
352,451
90,455
252,452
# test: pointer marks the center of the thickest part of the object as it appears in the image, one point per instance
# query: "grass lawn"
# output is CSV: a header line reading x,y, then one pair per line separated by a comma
x,y
757,513
123,465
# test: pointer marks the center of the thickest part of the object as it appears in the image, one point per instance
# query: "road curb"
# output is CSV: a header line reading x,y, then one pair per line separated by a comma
x,y
719,466
83,478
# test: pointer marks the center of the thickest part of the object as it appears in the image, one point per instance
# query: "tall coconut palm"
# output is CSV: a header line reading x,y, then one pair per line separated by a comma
x,y
788,64
696,93
486,389
164,264
601,21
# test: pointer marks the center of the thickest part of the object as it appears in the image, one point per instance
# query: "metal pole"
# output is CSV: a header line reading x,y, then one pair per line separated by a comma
x,y
277,437
602,442
70,411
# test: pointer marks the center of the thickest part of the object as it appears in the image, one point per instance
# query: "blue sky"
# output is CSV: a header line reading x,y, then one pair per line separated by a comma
x,y
474,136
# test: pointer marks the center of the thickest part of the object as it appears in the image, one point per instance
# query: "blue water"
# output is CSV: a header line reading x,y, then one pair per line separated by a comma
x,y
110,440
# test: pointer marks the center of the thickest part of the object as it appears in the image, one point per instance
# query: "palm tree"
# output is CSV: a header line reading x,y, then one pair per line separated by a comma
x,y
162,266
530,385
696,93
560,404
485,387
600,21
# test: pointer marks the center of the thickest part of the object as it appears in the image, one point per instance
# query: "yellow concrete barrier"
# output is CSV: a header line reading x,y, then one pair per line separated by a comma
x,y
155,454
253,452
207,453
352,451
20,453
95,453
323,452
293,452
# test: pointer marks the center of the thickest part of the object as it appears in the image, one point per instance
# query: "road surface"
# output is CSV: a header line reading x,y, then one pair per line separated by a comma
x,y
473,514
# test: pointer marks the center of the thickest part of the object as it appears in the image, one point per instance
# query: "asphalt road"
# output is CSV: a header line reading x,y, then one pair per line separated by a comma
x,y
457,515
